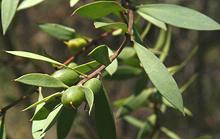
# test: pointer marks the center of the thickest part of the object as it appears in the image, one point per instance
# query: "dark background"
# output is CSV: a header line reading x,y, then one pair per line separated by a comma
x,y
202,98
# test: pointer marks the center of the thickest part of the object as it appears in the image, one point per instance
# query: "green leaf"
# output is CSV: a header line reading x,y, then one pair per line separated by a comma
x,y
41,80
160,76
38,125
100,54
8,10
175,69
46,99
166,46
112,68
73,2
98,9
45,109
127,53
135,102
205,137
111,26
182,89
65,121
104,119
136,34
179,16
28,3
2,128
58,31
52,117
89,97
169,133
160,40
87,67
143,131
34,56
152,20
124,73
134,121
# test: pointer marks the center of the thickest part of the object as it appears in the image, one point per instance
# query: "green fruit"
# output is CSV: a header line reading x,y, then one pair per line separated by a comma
x,y
67,76
94,84
72,65
76,44
73,96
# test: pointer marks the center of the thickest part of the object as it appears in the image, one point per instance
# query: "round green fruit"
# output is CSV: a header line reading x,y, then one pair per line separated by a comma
x,y
94,84
67,76
73,96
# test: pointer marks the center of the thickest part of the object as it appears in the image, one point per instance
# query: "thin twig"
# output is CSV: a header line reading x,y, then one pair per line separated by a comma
x,y
14,103
94,73
102,67
115,55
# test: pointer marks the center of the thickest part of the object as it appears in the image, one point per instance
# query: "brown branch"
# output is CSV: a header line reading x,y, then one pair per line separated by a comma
x,y
14,103
112,58
94,73
126,40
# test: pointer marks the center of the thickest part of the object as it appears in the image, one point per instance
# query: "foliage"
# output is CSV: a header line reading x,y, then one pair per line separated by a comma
x,y
132,59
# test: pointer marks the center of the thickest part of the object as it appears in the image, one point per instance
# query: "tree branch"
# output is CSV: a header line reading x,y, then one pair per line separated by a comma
x,y
94,73
126,40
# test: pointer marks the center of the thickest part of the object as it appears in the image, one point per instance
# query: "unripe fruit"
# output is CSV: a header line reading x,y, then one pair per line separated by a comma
x,y
94,84
73,96
67,76
76,44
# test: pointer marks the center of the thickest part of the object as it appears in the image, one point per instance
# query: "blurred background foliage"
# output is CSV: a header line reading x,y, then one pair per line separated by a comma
x,y
202,98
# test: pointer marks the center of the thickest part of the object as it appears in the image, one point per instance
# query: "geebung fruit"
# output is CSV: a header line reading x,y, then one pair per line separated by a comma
x,y
73,96
67,76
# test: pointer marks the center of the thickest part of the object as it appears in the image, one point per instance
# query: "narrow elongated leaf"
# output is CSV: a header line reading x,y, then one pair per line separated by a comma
x,y
169,133
89,97
41,80
65,121
182,89
46,99
160,76
52,117
34,56
135,102
177,68
98,9
104,119
87,67
2,128
205,137
124,73
153,20
127,53
38,125
146,31
160,40
143,131
58,31
111,26
179,16
73,2
167,46
28,3
8,10
134,121
112,68
100,54
45,110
